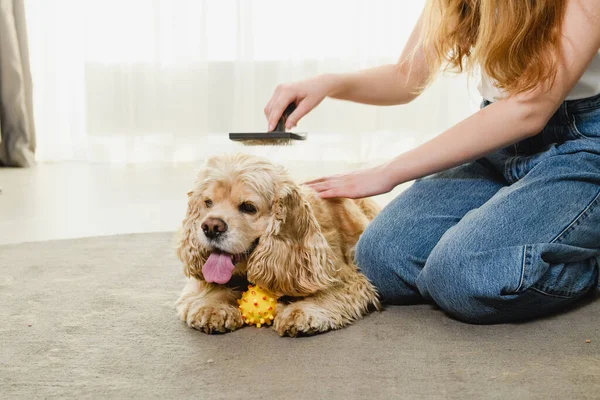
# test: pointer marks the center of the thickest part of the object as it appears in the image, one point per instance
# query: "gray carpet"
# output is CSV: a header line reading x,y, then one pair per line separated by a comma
x,y
94,318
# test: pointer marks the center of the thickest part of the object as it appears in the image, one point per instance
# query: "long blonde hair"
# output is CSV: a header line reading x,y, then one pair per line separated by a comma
x,y
515,42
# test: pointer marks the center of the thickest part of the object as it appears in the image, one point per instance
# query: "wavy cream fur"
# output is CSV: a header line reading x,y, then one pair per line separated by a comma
x,y
304,251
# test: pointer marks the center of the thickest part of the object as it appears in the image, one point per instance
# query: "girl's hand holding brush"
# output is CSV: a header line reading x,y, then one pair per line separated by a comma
x,y
305,94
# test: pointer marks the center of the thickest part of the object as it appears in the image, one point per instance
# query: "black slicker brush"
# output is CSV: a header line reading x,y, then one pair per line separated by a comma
x,y
277,137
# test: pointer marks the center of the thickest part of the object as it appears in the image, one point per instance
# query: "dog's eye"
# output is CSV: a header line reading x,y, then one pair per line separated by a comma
x,y
208,203
247,208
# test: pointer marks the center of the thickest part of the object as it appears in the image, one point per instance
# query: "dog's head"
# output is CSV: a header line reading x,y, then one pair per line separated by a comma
x,y
244,209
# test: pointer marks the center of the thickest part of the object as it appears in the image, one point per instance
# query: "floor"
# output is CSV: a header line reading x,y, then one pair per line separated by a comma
x,y
94,318
71,200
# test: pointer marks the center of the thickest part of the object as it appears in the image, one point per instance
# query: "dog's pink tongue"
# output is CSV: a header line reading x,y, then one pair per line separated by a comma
x,y
218,268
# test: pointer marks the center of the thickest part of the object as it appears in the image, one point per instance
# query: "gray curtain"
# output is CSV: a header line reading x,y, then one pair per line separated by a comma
x,y
17,136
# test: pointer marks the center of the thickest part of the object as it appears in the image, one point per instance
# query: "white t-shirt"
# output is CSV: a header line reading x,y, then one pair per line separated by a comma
x,y
588,85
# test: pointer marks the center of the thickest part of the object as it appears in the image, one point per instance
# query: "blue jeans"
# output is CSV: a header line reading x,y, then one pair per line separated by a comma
x,y
509,237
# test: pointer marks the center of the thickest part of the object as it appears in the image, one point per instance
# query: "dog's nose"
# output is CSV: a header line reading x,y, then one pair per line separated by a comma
x,y
214,227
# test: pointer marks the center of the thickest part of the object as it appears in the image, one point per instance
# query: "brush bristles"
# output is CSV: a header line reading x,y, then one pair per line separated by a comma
x,y
266,142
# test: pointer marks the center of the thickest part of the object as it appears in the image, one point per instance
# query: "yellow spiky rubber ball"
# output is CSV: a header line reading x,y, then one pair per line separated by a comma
x,y
257,306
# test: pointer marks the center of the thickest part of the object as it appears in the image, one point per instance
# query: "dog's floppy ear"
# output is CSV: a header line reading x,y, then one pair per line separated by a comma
x,y
293,257
190,252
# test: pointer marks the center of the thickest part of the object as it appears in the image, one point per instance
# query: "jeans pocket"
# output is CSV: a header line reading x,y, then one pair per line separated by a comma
x,y
585,122
558,277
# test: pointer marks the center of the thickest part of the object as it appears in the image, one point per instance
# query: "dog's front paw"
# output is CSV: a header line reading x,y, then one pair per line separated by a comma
x,y
211,318
294,319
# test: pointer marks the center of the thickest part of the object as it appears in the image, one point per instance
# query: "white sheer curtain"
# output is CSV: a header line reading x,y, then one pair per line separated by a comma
x,y
130,81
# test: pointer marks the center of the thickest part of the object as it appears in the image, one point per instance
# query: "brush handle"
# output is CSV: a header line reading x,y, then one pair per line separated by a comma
x,y
286,113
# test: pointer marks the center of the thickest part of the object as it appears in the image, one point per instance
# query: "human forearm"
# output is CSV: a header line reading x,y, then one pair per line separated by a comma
x,y
490,129
385,85
494,127
382,86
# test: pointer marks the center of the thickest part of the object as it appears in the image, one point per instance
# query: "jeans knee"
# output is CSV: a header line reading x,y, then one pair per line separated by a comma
x,y
450,280
385,265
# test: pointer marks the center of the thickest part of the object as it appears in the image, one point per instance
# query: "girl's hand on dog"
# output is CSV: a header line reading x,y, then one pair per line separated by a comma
x,y
353,185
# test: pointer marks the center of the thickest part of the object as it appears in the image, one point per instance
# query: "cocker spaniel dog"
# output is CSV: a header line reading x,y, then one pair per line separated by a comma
x,y
247,218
